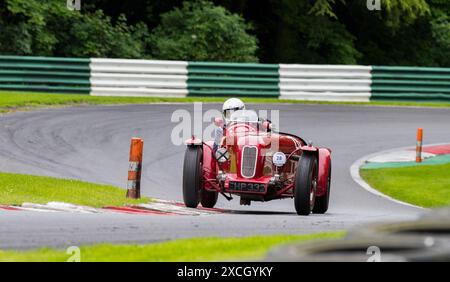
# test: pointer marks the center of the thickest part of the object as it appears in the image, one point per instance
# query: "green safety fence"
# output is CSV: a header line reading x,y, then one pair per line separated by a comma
x,y
233,79
410,83
45,74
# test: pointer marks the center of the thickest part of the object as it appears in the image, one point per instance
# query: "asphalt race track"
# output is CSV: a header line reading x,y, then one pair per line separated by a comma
x,y
92,144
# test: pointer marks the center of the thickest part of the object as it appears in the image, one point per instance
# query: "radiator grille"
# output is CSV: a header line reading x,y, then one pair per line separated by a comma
x,y
248,164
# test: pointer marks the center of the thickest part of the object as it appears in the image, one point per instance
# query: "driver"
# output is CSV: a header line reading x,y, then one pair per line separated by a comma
x,y
232,105
229,107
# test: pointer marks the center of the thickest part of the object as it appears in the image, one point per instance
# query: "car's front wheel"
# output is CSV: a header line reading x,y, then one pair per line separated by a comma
x,y
321,203
305,184
209,198
192,176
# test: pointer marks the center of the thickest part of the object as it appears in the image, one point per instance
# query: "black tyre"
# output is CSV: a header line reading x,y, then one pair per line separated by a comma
x,y
321,203
305,184
209,199
192,176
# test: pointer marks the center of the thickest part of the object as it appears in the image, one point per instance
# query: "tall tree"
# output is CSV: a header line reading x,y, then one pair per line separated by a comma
x,y
202,31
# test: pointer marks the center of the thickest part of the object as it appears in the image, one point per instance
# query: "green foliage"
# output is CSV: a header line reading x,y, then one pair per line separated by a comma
x,y
311,37
400,34
201,31
413,32
324,8
396,11
26,21
15,39
332,42
96,36
440,31
401,11
48,28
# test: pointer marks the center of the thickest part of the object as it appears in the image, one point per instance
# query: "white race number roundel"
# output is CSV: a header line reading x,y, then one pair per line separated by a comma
x,y
279,159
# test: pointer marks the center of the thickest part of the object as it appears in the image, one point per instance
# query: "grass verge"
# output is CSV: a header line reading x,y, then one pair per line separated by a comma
x,y
11,101
425,186
186,250
16,189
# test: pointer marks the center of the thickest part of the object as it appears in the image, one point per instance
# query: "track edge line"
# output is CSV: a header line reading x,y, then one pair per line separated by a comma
x,y
355,168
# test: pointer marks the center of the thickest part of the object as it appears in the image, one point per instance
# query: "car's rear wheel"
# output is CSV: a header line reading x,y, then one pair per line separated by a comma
x,y
321,203
209,199
305,184
192,176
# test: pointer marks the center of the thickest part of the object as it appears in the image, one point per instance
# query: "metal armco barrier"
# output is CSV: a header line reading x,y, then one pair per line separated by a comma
x,y
59,75
138,78
157,78
411,83
233,79
135,168
325,82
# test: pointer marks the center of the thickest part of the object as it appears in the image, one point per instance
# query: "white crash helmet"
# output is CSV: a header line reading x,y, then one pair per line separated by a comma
x,y
230,106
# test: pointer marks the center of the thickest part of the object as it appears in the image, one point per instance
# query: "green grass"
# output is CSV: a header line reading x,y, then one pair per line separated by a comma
x,y
11,101
16,189
426,186
197,249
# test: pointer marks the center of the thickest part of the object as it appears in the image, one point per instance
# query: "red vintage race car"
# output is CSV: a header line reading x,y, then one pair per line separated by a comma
x,y
253,161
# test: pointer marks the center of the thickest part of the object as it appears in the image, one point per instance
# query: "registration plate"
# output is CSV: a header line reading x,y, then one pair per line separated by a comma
x,y
247,187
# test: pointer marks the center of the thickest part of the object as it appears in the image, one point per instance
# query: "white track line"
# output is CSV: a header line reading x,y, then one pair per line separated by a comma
x,y
355,167
60,207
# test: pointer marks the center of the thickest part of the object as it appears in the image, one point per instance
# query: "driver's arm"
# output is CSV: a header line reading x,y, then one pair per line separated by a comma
x,y
269,125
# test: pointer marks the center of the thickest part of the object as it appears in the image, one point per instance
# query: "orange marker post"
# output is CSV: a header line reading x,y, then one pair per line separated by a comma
x,y
135,168
419,145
